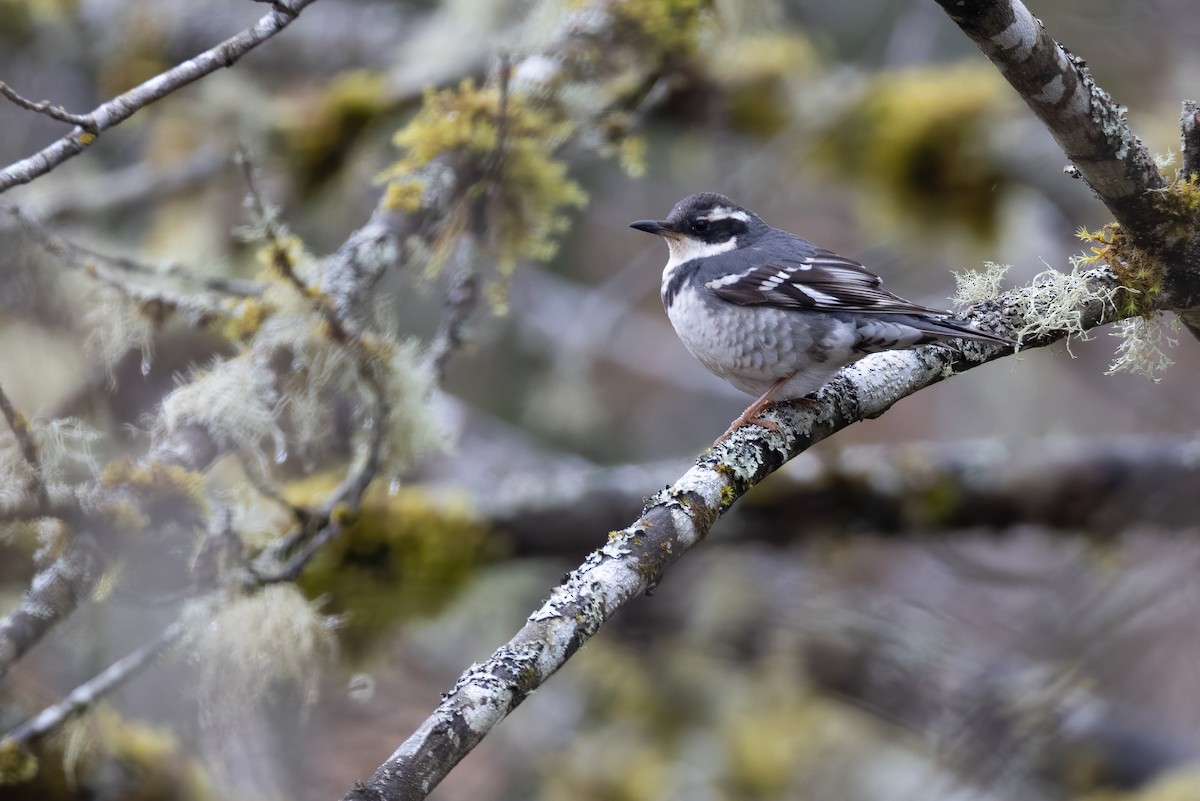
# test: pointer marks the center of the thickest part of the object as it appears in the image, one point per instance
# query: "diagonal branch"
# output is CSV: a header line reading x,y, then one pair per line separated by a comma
x,y
1081,116
94,688
120,108
635,559
52,596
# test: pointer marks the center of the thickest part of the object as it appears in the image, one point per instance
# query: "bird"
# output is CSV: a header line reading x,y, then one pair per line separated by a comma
x,y
775,315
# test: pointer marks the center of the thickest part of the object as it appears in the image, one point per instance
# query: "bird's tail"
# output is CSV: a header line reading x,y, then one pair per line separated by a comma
x,y
938,329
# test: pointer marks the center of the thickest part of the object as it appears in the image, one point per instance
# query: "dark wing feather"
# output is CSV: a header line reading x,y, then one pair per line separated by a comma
x,y
819,281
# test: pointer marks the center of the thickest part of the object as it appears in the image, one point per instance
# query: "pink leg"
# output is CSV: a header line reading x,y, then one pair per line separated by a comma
x,y
750,416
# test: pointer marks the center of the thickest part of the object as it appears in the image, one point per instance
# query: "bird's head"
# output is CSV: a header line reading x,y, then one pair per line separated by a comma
x,y
705,225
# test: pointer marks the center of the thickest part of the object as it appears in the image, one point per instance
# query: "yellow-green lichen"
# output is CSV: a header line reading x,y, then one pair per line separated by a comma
x,y
406,555
504,146
1179,204
756,74
921,140
673,25
322,127
246,317
156,492
1139,273
17,764
139,761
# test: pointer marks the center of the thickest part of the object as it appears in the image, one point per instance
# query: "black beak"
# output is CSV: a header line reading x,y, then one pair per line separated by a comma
x,y
649,226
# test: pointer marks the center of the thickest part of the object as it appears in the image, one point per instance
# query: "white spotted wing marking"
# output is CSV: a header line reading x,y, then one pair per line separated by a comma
x,y
822,281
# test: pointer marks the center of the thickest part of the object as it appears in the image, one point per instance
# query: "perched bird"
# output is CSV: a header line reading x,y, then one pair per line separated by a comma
x,y
772,313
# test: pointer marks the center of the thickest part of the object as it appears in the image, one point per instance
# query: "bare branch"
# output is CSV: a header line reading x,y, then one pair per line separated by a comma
x,y
124,106
635,559
1058,87
91,690
43,107
904,491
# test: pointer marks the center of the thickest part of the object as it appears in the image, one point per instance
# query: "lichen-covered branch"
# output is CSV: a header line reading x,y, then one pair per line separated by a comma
x,y
89,126
1189,145
1154,246
1058,87
635,559
52,596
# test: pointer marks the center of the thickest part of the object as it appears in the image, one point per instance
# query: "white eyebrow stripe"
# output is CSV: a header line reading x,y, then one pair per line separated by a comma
x,y
723,213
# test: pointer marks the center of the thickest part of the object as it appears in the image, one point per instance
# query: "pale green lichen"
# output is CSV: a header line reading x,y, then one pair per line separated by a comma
x,y
975,286
235,401
116,326
257,649
673,25
1143,346
1056,302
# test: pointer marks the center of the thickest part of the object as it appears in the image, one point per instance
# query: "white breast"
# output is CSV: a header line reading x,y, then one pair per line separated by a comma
x,y
752,347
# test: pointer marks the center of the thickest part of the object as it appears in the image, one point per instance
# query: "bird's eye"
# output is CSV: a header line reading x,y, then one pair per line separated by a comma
x,y
700,226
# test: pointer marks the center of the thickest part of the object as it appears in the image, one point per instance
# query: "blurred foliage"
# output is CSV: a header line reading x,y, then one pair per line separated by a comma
x,y
321,127
504,144
105,756
750,89
919,142
405,556
757,76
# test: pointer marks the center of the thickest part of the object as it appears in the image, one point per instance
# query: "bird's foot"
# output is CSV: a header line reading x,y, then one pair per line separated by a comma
x,y
752,416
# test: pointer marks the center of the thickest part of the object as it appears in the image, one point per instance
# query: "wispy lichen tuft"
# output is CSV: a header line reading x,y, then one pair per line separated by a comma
x,y
257,649
117,325
234,401
1056,304
976,286
1142,349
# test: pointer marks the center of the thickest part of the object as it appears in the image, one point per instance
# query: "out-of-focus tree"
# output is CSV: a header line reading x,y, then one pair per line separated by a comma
x,y
259,505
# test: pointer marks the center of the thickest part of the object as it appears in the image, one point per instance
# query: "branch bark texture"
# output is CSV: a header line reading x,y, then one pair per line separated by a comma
x,y
1081,116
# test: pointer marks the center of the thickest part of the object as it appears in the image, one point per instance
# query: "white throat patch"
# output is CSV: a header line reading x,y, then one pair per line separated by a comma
x,y
684,249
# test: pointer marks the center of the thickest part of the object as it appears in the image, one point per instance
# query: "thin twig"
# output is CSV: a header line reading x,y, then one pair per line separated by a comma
x,y
43,107
99,685
80,256
321,527
19,424
122,107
